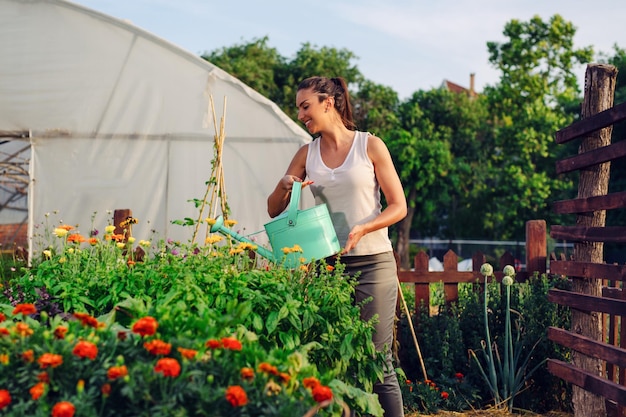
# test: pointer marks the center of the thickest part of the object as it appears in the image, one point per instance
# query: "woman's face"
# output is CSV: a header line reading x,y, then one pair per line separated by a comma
x,y
310,110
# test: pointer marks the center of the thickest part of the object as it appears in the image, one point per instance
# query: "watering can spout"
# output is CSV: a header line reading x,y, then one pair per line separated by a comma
x,y
219,227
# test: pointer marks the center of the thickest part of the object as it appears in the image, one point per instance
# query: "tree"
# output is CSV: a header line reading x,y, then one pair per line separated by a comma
x,y
537,88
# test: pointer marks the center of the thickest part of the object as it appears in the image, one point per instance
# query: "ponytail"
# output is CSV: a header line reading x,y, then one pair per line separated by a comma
x,y
337,89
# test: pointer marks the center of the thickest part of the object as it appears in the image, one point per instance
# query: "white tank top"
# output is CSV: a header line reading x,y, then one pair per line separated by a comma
x,y
351,193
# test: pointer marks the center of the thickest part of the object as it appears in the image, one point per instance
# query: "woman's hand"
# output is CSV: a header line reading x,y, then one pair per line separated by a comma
x,y
354,237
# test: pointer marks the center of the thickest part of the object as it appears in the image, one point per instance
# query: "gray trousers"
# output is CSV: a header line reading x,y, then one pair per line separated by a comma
x,y
379,279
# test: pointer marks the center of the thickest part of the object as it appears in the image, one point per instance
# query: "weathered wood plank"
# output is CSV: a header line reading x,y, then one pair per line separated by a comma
x,y
588,346
591,124
584,205
609,234
588,381
591,158
588,270
586,302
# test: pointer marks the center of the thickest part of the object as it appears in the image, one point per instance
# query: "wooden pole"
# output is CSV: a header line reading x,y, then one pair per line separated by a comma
x,y
536,247
599,95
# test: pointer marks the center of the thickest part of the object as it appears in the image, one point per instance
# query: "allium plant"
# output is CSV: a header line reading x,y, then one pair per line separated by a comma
x,y
504,374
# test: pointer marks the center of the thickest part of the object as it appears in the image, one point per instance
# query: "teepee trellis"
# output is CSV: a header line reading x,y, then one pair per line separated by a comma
x,y
216,189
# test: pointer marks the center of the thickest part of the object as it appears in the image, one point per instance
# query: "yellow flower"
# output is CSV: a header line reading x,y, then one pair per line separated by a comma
x,y
213,239
210,221
272,388
62,260
145,243
286,250
131,239
230,223
247,246
297,248
235,251
70,250
47,253
121,245
60,232
109,229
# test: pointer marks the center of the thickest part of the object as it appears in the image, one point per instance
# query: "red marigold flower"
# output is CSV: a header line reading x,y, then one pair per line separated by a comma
x,y
115,372
168,367
236,396
121,335
145,326
76,238
187,353
106,390
87,320
231,343
2,317
84,349
268,369
158,347
23,329
37,390
5,398
444,395
322,393
25,309
311,382
4,331
28,356
63,409
459,375
213,344
50,360
43,377
284,377
60,332
247,373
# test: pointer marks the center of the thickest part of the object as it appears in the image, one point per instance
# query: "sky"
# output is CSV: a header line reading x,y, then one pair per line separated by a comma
x,y
408,45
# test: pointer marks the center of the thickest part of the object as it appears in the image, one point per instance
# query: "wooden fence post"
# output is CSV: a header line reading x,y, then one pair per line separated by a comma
x,y
536,247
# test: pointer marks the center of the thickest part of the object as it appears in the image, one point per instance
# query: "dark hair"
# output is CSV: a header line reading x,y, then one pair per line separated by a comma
x,y
332,87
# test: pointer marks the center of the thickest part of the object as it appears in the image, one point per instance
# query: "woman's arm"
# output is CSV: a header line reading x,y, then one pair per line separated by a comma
x,y
279,198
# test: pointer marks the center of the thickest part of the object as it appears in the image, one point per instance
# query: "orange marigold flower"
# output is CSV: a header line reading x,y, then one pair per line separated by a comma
x,y
76,238
247,373
268,369
117,237
158,347
50,360
37,390
84,349
93,241
322,393
444,395
28,356
145,326
60,332
213,344
63,409
2,317
25,309
106,389
4,331
23,329
236,396
187,353
4,358
330,268
66,227
115,372
5,398
231,343
311,382
43,377
168,367
284,377
87,320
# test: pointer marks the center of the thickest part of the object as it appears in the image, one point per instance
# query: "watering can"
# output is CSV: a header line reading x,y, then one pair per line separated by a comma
x,y
311,230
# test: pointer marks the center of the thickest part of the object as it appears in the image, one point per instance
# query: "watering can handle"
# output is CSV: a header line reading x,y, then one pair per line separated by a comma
x,y
292,214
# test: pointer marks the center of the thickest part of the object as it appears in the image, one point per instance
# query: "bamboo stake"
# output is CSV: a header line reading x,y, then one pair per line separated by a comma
x,y
408,316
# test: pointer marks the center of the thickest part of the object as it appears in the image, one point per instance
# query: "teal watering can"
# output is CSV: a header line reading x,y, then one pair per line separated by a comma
x,y
310,231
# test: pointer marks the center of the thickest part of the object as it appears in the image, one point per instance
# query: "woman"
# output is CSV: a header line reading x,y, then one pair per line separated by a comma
x,y
347,170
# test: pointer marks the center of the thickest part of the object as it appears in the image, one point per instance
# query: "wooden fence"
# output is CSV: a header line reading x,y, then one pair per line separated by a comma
x,y
421,278
598,364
